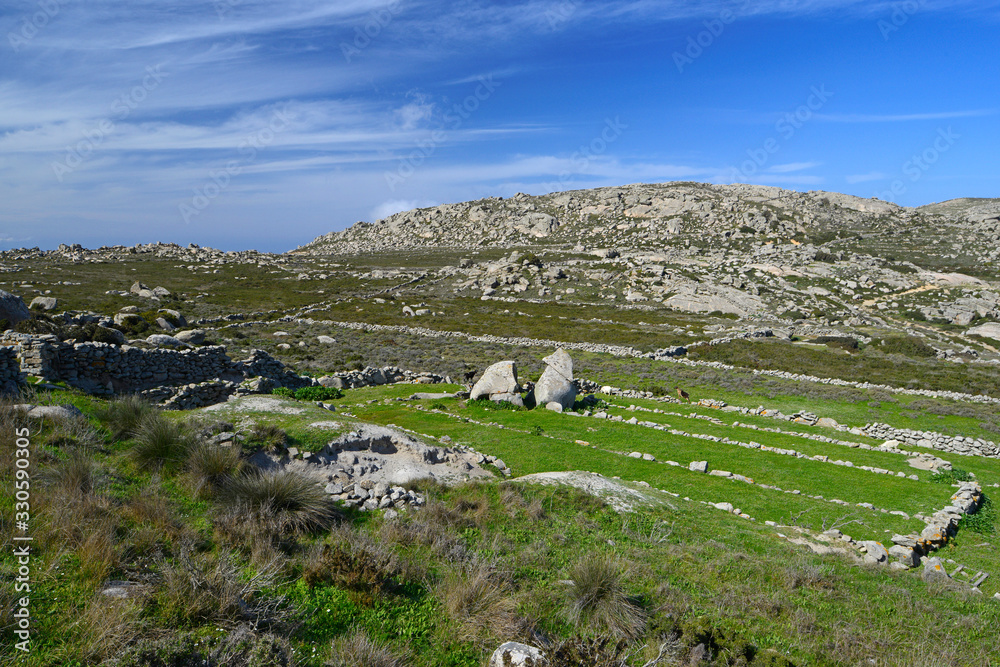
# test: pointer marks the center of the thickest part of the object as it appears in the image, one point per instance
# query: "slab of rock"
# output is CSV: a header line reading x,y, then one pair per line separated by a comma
x,y
12,309
698,466
515,654
554,406
326,340
66,411
988,330
122,319
499,380
556,384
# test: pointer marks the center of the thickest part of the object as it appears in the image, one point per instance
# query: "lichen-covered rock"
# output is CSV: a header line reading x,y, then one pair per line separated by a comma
x,y
515,654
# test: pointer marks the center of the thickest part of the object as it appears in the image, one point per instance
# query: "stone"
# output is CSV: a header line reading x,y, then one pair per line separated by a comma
x,y
192,337
908,556
934,570
66,411
163,340
12,309
500,379
698,466
164,324
827,422
161,291
556,384
43,303
332,381
554,406
515,654
125,319
326,340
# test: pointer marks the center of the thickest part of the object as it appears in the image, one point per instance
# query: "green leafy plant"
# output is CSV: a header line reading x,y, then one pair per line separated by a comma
x,y
318,394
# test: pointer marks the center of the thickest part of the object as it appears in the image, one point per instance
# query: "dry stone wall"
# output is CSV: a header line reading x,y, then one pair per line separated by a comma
x,y
193,376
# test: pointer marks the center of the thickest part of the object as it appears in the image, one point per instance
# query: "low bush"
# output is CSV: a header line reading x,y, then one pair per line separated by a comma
x,y
318,394
283,391
951,476
908,346
480,603
488,404
265,436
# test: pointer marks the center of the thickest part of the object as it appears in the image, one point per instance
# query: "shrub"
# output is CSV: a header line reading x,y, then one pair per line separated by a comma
x,y
909,346
160,442
123,415
984,521
284,501
488,404
283,391
359,649
365,575
211,589
840,342
318,394
596,598
240,648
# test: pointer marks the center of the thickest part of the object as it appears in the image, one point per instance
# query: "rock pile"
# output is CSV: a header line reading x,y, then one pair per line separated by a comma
x,y
373,377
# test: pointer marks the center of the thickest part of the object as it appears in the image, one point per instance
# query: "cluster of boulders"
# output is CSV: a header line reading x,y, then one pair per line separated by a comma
x,y
555,389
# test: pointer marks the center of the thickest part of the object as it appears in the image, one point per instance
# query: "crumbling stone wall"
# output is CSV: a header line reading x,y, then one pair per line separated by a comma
x,y
11,376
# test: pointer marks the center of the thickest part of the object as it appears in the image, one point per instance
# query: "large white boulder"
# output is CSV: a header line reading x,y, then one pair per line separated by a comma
x,y
499,382
556,384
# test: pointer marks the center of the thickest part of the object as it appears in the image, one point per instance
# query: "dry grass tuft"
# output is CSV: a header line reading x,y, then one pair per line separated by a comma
x,y
161,442
123,415
209,467
359,650
480,602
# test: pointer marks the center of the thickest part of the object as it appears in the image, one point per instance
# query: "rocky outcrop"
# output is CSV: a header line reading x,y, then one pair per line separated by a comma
x,y
11,377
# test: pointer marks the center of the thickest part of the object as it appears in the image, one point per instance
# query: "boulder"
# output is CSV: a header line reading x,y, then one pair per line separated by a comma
x,y
43,303
554,406
988,330
124,319
161,291
556,384
698,466
499,382
164,324
515,654
12,309
192,337
163,340
326,340
332,381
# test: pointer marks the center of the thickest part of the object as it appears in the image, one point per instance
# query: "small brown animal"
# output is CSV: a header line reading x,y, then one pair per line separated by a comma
x,y
469,377
683,395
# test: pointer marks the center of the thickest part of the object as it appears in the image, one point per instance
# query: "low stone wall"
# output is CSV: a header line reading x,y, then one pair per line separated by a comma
x,y
946,443
11,377
102,368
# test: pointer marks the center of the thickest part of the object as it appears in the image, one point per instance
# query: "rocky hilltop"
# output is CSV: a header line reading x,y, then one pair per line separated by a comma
x,y
646,216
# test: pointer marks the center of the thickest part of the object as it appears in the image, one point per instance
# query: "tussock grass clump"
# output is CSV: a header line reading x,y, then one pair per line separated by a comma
x,y
72,476
266,436
123,415
283,501
160,442
358,649
479,601
364,570
596,597
210,466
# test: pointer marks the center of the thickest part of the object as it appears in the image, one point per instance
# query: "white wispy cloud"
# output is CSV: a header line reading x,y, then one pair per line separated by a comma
x,y
901,118
865,178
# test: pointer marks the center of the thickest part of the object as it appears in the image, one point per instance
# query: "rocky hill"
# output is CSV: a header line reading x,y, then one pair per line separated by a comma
x,y
652,216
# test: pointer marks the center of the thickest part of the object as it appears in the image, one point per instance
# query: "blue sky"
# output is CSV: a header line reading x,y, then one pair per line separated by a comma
x,y
256,124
